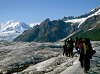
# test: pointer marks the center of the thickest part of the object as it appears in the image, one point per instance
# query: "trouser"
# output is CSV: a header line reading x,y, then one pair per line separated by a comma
x,y
70,52
86,63
81,60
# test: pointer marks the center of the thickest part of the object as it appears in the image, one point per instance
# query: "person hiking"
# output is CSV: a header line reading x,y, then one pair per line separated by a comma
x,y
76,44
65,48
81,51
87,53
80,45
70,47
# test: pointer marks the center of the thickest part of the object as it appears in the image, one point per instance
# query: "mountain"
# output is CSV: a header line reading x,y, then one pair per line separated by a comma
x,y
92,22
90,28
11,29
51,31
48,31
88,25
81,19
81,16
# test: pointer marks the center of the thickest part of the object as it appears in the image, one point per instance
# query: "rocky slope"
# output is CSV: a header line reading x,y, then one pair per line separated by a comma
x,y
52,31
47,31
43,58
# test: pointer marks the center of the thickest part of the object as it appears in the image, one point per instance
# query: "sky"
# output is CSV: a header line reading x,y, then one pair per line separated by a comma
x,y
35,11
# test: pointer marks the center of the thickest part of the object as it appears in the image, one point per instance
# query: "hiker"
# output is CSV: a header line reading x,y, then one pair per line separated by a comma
x,y
76,44
87,53
81,51
80,45
65,48
70,47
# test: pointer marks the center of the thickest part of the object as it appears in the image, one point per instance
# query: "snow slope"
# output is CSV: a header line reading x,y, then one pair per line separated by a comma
x,y
82,20
34,24
14,26
96,13
76,20
11,29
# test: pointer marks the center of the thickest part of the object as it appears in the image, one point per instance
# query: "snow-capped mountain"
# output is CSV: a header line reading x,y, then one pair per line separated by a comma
x,y
81,19
51,31
14,26
47,28
11,29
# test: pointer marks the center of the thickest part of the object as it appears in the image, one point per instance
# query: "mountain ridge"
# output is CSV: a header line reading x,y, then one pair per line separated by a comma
x,y
49,31
11,29
45,29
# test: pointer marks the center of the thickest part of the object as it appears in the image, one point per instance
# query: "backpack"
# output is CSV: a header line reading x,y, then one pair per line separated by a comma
x,y
88,48
85,48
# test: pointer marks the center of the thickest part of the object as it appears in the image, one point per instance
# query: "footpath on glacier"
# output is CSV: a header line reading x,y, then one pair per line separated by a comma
x,y
43,58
